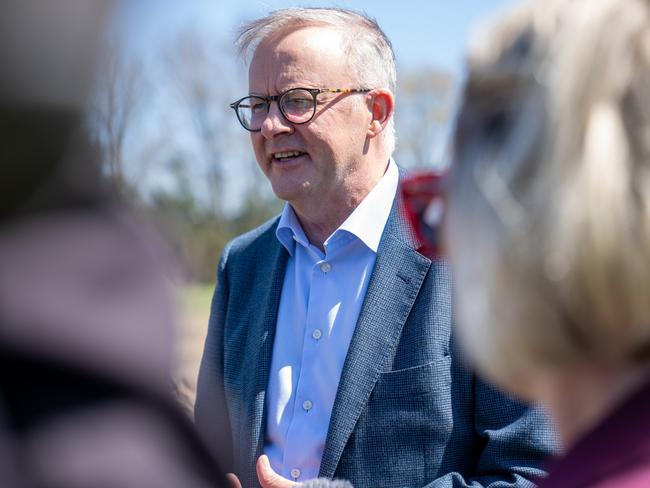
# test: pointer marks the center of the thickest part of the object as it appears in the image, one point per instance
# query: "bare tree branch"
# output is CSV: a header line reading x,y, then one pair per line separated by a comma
x,y
424,108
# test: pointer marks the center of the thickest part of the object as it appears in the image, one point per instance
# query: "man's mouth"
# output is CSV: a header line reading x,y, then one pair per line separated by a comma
x,y
287,155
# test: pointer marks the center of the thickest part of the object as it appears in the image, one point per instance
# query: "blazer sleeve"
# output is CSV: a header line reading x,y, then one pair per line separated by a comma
x,y
518,441
210,409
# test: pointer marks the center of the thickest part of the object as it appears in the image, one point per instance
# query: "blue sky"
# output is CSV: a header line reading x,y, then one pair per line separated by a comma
x,y
424,33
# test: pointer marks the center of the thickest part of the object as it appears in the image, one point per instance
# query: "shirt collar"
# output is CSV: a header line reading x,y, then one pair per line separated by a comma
x,y
366,222
290,231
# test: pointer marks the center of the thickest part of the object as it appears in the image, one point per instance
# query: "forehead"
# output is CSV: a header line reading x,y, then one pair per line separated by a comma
x,y
309,56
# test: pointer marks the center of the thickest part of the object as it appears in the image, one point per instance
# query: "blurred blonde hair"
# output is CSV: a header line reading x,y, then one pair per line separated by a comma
x,y
550,209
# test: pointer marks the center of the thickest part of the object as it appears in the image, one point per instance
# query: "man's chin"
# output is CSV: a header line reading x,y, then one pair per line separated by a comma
x,y
291,192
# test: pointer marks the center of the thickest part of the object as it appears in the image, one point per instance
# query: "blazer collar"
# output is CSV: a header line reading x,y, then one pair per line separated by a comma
x,y
399,272
257,356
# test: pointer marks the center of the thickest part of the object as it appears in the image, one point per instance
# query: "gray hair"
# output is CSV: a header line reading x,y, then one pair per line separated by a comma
x,y
552,178
370,52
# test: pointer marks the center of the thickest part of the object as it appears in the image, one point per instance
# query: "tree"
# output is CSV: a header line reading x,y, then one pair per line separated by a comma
x,y
424,108
120,91
202,71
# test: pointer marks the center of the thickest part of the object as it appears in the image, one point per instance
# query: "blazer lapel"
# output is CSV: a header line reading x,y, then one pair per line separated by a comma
x,y
394,285
256,357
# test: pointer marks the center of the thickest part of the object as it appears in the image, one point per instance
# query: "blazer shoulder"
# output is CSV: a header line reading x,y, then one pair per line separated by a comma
x,y
253,241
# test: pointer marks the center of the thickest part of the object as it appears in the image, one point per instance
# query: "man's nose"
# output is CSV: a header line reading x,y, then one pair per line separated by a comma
x,y
274,123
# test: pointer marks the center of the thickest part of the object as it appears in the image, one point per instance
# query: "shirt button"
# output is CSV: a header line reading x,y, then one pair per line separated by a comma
x,y
325,267
307,405
295,473
317,334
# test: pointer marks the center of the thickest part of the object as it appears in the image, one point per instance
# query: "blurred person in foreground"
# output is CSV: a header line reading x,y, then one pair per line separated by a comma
x,y
85,314
329,340
549,226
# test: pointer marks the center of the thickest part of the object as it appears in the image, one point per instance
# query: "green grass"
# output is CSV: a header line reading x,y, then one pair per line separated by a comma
x,y
193,310
195,298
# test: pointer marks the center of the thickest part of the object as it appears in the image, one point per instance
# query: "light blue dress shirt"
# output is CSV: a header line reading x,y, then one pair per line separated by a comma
x,y
320,303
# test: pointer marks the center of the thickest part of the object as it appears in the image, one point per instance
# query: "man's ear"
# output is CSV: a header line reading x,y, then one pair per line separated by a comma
x,y
382,104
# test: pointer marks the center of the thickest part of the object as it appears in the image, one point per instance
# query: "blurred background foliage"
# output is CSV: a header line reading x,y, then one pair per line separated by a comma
x,y
171,144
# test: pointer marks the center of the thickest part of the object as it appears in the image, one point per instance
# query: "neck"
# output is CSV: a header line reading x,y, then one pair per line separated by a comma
x,y
320,221
320,217
580,398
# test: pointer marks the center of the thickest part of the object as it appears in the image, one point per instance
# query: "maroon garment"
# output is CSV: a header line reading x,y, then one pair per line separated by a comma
x,y
615,454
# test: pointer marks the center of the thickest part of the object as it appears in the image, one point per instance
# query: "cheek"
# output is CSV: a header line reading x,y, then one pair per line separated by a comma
x,y
320,139
343,135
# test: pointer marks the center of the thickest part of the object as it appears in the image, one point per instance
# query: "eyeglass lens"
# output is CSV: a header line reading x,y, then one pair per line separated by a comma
x,y
297,105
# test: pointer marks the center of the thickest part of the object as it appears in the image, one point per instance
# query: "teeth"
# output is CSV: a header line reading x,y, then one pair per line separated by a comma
x,y
288,154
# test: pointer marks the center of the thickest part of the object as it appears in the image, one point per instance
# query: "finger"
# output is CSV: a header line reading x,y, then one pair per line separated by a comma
x,y
269,478
233,481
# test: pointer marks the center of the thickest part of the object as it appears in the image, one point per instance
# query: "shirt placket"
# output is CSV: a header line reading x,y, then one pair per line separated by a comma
x,y
305,404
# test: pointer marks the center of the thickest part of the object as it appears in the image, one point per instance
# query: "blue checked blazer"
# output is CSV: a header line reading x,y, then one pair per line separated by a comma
x,y
407,413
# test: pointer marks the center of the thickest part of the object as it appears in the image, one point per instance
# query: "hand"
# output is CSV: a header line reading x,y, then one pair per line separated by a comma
x,y
233,481
269,478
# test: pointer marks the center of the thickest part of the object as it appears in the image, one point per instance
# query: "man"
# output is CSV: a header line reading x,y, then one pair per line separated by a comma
x,y
329,340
